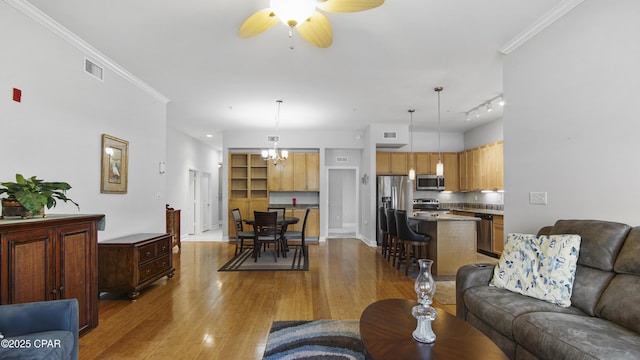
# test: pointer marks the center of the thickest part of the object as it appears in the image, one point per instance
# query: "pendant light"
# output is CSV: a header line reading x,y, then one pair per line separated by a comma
x,y
440,165
273,154
412,171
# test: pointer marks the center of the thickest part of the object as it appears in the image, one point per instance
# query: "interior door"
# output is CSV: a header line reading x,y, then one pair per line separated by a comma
x,y
191,201
205,201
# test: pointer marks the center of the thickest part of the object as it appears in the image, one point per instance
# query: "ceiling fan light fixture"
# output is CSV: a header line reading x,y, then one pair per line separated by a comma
x,y
293,12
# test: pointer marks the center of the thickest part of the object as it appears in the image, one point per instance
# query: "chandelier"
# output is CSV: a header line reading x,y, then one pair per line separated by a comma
x,y
273,154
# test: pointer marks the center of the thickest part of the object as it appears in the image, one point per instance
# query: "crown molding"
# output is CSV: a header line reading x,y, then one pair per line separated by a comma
x,y
43,19
547,19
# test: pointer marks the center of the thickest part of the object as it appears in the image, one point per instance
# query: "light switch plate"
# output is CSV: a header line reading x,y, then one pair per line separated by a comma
x,y
537,197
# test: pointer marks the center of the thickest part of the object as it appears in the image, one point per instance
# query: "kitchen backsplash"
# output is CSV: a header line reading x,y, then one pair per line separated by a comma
x,y
286,197
498,207
472,200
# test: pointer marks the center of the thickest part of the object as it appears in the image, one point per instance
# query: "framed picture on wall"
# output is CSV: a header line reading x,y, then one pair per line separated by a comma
x,y
115,163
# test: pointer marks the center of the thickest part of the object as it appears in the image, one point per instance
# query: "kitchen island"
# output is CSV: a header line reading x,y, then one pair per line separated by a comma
x,y
453,240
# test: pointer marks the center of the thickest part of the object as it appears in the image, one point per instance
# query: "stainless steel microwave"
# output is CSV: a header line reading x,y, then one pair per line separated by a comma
x,y
430,182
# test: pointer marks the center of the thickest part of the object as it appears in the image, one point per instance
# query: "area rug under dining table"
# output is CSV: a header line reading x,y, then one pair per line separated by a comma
x,y
295,261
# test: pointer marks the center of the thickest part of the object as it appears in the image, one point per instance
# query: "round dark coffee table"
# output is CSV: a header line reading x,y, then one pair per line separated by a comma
x,y
386,328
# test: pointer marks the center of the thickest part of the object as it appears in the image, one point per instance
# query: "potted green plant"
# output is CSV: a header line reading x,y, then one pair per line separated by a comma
x,y
28,196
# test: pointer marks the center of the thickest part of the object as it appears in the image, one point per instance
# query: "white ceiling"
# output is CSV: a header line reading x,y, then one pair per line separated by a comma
x,y
382,62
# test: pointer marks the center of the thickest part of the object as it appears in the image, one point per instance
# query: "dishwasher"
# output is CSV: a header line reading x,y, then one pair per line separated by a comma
x,y
485,234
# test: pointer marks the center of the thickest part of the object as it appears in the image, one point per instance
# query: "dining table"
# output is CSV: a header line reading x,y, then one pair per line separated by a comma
x,y
288,220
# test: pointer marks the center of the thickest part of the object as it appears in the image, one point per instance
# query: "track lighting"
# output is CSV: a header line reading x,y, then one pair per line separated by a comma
x,y
487,106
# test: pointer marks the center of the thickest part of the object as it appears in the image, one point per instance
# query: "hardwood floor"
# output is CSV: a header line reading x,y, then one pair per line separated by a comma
x,y
205,314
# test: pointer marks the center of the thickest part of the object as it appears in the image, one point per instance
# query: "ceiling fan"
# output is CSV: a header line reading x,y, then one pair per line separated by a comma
x,y
303,15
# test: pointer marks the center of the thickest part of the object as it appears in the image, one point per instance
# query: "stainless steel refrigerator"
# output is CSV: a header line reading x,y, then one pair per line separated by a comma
x,y
393,192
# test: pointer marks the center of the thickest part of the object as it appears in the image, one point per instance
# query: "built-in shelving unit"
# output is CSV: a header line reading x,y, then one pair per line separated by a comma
x,y
259,187
239,176
248,190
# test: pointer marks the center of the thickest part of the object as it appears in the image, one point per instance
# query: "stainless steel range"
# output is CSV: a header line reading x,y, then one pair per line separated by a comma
x,y
427,204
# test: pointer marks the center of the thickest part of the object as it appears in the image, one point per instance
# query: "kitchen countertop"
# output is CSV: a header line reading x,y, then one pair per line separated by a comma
x,y
479,211
427,216
298,206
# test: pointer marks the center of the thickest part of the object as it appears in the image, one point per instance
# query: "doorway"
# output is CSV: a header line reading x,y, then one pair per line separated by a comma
x,y
198,211
343,202
191,203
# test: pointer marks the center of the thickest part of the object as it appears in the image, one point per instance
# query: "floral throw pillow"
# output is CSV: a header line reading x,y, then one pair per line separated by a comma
x,y
542,267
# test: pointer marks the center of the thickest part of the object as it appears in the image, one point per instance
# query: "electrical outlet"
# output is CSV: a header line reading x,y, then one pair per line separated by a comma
x,y
536,197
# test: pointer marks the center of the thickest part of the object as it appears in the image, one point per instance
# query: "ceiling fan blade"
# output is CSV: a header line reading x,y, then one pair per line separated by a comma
x,y
346,6
316,30
257,23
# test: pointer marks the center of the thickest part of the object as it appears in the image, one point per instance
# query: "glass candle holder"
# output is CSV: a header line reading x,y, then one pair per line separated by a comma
x,y
425,288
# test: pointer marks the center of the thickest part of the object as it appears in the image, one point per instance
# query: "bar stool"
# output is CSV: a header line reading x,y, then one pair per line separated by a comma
x,y
382,221
410,241
392,230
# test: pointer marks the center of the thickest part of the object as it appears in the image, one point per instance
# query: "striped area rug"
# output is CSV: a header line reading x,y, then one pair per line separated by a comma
x,y
295,261
319,339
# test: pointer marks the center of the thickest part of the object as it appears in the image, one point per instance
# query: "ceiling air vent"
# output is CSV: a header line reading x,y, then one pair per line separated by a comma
x,y
342,159
93,69
390,135
273,138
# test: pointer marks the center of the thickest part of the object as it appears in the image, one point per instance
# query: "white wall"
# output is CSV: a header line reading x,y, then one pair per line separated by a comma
x,y
185,153
55,132
484,134
571,121
427,141
368,203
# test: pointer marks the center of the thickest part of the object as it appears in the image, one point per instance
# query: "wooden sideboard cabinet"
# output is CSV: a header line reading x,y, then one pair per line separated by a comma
x,y
173,226
131,263
51,258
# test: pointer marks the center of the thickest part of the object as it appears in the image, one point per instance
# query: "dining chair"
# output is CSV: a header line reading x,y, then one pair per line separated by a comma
x,y
266,231
280,211
410,242
298,235
282,224
241,234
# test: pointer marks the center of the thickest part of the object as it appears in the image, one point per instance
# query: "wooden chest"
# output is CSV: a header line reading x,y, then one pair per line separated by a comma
x,y
131,263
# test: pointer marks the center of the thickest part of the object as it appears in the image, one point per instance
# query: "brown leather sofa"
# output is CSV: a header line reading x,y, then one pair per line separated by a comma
x,y
603,321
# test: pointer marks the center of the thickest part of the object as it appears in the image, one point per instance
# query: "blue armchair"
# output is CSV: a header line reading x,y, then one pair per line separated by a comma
x,y
39,330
